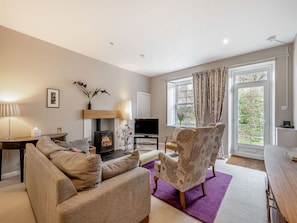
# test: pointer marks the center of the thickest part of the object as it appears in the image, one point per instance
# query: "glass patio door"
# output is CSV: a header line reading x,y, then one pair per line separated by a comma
x,y
251,110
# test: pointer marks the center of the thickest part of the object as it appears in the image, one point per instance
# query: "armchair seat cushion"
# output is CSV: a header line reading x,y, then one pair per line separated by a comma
x,y
171,145
171,141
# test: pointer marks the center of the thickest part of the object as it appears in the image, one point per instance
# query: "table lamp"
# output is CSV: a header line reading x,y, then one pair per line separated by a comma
x,y
127,110
9,110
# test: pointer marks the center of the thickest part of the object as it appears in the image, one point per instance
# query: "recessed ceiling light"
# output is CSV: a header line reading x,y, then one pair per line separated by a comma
x,y
225,41
111,43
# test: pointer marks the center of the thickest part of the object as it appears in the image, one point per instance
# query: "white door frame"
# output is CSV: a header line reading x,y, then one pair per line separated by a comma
x,y
255,151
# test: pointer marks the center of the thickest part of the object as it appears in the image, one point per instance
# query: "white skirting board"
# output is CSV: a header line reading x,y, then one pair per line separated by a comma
x,y
10,174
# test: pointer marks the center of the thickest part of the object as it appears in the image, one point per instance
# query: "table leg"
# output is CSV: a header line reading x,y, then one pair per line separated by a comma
x,y
22,164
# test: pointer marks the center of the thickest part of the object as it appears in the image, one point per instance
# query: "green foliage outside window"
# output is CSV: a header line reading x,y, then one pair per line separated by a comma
x,y
251,117
185,103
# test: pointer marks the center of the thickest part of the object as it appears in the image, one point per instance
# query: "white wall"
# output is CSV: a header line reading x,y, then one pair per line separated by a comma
x,y
29,66
158,87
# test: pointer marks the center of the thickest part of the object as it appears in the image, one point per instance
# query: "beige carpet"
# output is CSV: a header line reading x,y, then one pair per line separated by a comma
x,y
247,162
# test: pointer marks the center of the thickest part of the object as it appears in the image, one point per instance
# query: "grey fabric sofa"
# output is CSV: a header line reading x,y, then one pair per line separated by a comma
x,y
52,197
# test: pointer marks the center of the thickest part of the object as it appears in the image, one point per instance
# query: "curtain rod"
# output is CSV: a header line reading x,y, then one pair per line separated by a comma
x,y
252,62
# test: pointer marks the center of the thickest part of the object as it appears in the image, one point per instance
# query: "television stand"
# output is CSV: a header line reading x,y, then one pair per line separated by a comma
x,y
145,137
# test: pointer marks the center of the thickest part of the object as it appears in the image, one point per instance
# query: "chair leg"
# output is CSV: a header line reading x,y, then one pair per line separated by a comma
x,y
213,171
203,189
182,199
156,185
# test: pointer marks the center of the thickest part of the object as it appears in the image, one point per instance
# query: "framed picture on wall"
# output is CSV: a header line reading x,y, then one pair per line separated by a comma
x,y
53,98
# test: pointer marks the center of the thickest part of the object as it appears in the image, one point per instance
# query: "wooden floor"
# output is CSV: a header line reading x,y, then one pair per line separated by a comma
x,y
247,162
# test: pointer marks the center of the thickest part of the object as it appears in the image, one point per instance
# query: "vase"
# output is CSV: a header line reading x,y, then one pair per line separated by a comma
x,y
180,120
89,106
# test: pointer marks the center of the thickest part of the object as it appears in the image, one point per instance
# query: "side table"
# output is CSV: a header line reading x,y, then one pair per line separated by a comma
x,y
20,144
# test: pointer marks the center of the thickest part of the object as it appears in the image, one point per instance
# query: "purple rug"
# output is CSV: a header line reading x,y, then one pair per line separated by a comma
x,y
203,208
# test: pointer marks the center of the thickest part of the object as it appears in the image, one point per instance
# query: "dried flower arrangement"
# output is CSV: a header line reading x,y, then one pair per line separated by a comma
x,y
126,134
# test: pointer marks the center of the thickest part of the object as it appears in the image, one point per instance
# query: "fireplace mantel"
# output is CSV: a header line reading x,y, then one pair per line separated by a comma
x,y
97,114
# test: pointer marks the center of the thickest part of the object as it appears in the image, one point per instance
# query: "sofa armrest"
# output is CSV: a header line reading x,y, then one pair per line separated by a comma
x,y
124,198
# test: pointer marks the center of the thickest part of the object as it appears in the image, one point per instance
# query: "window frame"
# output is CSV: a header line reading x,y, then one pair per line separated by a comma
x,y
172,101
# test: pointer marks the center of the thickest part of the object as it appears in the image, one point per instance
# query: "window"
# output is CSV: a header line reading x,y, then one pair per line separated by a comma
x,y
180,102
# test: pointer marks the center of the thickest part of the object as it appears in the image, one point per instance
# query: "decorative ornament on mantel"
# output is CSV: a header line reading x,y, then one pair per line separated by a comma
x,y
126,134
88,93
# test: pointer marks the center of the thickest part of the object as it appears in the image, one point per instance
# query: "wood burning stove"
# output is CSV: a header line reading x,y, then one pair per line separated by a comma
x,y
103,141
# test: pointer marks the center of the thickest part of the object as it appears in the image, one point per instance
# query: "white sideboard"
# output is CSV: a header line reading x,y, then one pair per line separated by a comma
x,y
286,137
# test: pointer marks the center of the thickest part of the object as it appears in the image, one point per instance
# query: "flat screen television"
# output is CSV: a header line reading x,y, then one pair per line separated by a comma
x,y
146,126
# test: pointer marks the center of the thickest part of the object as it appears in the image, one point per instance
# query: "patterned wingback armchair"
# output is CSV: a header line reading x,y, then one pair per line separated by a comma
x,y
217,145
189,170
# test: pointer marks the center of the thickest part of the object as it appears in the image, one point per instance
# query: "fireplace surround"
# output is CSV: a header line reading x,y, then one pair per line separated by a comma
x,y
101,120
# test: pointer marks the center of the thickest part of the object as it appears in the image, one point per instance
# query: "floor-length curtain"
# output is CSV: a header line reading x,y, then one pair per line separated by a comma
x,y
217,85
209,91
200,88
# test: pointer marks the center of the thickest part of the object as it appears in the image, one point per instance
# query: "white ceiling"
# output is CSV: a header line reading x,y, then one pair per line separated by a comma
x,y
170,34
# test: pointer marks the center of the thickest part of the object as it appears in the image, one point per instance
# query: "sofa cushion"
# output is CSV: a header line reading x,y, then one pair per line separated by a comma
x,y
121,165
81,144
46,146
83,170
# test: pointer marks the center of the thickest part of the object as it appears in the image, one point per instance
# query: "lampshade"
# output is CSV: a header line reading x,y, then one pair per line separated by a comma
x,y
127,110
8,110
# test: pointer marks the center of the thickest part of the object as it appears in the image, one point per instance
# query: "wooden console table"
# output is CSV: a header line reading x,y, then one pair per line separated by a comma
x,y
20,144
282,181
